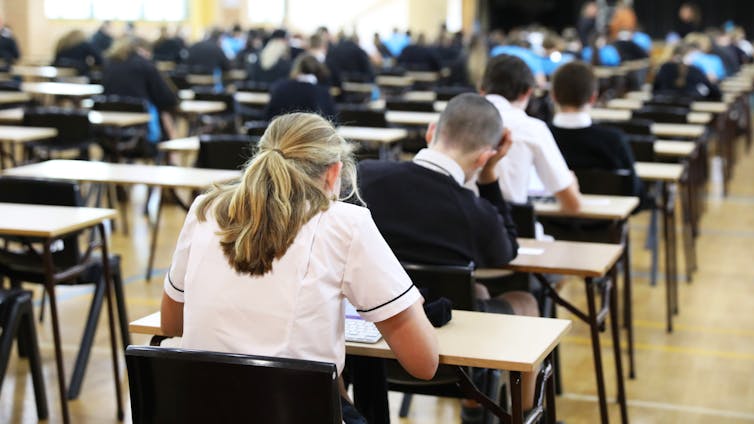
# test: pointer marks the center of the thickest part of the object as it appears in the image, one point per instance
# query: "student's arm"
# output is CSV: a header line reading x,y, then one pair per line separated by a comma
x,y
171,316
570,197
413,341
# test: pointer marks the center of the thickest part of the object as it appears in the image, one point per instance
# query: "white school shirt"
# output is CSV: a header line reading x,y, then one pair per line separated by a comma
x,y
572,120
533,145
295,310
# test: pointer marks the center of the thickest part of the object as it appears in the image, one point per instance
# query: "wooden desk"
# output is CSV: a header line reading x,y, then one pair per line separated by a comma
x,y
48,224
252,98
358,87
637,102
62,89
411,118
678,130
665,172
476,339
13,135
394,81
612,208
601,114
14,97
588,261
42,72
423,76
201,107
98,118
674,149
127,174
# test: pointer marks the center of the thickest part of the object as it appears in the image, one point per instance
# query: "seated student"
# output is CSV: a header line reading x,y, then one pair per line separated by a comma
x,y
607,54
75,51
102,40
302,92
584,145
699,54
207,56
419,56
678,77
273,62
523,51
9,52
129,72
263,264
508,84
168,48
439,221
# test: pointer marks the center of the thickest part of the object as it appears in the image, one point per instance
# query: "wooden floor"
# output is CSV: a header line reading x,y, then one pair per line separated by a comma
x,y
702,373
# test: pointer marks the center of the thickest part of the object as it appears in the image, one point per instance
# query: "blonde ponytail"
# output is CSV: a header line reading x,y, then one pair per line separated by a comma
x,y
281,189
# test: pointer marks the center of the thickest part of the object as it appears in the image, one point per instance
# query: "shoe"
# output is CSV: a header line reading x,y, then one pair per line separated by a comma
x,y
472,415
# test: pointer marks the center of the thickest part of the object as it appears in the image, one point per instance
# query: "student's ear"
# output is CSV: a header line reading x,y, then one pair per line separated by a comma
x,y
430,134
593,98
332,176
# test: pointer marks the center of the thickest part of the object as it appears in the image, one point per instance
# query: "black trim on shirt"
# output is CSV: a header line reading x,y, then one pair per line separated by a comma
x,y
384,304
170,280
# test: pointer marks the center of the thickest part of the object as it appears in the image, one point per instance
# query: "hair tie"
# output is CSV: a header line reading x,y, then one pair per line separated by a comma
x,y
280,152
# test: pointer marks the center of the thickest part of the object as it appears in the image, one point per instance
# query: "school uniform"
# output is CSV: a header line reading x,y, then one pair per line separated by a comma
x,y
207,56
588,146
532,60
533,146
295,310
9,51
347,58
279,71
79,57
419,58
101,41
300,95
696,84
168,49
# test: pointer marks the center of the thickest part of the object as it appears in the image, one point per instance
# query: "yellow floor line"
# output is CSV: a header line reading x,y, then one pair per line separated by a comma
x,y
585,341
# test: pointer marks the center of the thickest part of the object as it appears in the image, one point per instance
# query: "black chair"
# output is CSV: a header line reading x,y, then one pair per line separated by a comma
x,y
670,100
252,86
128,142
73,126
225,121
361,115
455,283
409,105
190,386
447,93
643,147
632,126
255,128
669,114
225,151
17,320
25,264
524,218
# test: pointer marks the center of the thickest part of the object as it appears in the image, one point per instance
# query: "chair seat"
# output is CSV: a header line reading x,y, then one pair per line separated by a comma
x,y
29,268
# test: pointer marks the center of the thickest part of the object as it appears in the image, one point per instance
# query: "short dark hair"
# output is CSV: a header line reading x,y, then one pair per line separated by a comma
x,y
508,76
469,122
573,84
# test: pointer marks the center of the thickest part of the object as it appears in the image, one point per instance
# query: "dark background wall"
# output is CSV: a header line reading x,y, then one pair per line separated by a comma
x,y
656,16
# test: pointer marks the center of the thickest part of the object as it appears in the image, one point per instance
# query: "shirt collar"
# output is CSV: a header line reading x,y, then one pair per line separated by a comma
x,y
309,78
501,103
573,120
440,162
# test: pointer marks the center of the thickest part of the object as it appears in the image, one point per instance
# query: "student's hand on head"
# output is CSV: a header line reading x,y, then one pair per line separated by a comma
x,y
489,171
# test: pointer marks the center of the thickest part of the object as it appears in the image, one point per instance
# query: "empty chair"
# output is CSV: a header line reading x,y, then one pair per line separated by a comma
x,y
670,100
189,386
17,321
73,126
643,147
409,105
25,265
255,128
252,86
120,142
225,151
447,93
670,114
361,116
224,121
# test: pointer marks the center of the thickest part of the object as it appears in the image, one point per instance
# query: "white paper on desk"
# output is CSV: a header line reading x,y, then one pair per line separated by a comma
x,y
596,202
533,251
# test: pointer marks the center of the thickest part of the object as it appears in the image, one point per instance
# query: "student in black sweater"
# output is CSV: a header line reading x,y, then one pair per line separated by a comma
x,y
303,91
676,77
206,56
427,216
583,144
75,51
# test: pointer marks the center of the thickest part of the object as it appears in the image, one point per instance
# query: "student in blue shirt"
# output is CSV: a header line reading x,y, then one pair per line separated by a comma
x,y
532,60
607,54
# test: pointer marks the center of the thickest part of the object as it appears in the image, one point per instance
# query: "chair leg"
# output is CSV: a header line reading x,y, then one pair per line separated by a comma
x,y
35,360
120,300
405,405
86,341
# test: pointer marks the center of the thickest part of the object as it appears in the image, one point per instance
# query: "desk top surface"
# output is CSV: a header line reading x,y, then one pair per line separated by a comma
x,y
62,89
625,114
653,171
120,173
201,106
478,339
379,135
14,97
565,257
411,118
23,134
675,149
101,118
592,207
253,98
48,221
42,71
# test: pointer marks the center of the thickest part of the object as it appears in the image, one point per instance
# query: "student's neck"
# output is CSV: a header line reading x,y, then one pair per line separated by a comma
x,y
466,163
573,109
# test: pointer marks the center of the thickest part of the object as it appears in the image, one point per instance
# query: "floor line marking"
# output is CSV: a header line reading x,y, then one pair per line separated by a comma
x,y
692,351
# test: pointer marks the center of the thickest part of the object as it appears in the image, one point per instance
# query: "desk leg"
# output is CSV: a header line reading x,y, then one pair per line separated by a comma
x,y
668,231
111,319
615,330
155,228
686,192
628,315
594,328
50,288
517,411
550,399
